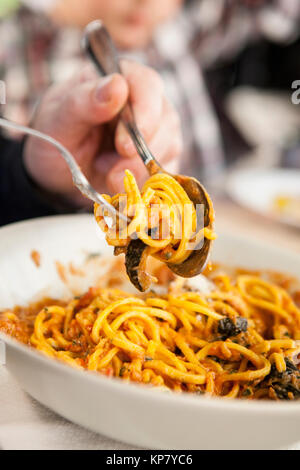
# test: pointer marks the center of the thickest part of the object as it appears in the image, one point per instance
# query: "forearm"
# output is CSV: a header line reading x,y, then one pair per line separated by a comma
x,y
19,198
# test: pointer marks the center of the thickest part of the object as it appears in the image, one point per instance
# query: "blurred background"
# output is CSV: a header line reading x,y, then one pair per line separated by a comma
x,y
231,67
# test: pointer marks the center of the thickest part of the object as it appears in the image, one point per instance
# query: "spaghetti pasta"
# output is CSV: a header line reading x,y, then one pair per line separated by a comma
x,y
237,340
161,216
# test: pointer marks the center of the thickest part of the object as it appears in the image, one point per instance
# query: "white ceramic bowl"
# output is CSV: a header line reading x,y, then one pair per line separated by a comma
x,y
127,412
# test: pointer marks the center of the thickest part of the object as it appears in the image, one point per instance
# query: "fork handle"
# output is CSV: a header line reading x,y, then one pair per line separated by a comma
x,y
99,46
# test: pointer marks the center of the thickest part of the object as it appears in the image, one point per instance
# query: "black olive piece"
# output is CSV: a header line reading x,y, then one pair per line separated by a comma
x,y
228,328
135,260
283,383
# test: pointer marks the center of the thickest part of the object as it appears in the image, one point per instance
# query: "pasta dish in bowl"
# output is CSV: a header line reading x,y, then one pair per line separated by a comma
x,y
231,333
238,339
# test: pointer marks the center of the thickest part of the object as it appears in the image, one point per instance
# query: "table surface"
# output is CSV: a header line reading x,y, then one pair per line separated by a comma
x,y
231,217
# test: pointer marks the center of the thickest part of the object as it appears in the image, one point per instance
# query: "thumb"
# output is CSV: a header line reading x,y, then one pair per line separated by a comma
x,y
95,102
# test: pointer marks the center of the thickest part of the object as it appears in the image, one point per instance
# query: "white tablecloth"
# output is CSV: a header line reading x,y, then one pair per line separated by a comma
x,y
25,424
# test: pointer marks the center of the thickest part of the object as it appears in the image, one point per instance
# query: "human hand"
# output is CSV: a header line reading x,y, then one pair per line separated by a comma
x,y
82,114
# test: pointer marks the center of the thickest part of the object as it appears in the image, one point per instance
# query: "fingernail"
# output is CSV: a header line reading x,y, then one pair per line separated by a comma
x,y
103,92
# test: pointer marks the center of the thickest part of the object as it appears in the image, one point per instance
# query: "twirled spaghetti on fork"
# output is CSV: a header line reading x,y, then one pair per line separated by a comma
x,y
161,216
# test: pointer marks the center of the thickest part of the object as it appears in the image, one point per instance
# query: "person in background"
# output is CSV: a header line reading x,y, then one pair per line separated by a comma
x,y
40,44
82,113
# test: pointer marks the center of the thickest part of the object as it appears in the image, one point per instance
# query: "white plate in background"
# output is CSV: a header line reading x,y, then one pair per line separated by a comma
x,y
256,189
128,412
